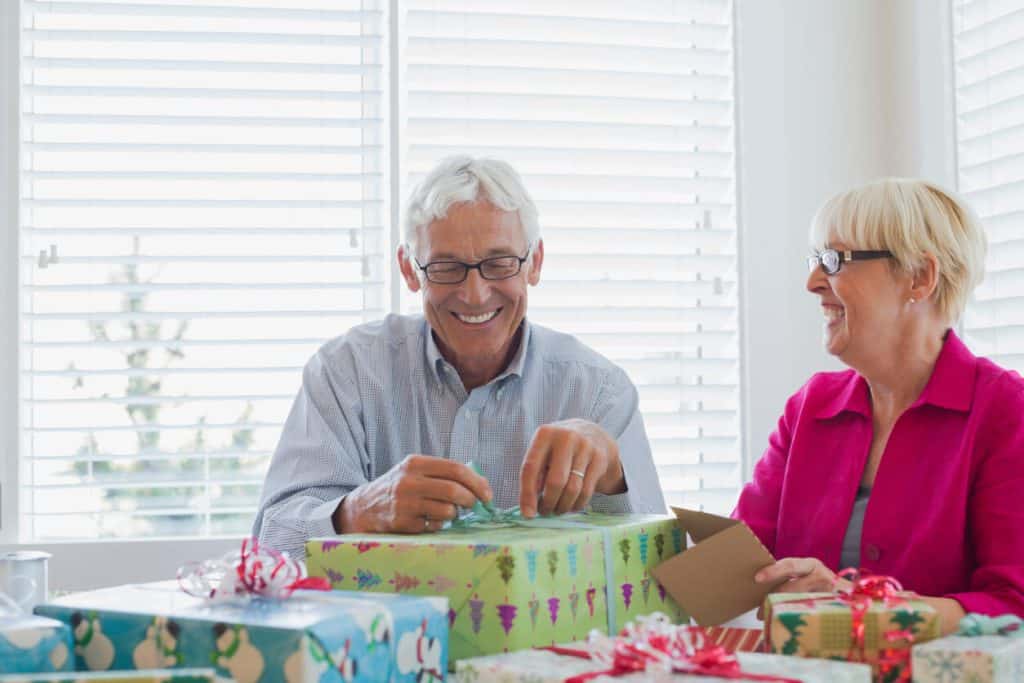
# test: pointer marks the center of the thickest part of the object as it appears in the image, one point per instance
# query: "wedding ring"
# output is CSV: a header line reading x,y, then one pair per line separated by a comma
x,y
578,473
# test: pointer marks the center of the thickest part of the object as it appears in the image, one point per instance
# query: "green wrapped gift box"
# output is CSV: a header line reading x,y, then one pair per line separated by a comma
x,y
516,585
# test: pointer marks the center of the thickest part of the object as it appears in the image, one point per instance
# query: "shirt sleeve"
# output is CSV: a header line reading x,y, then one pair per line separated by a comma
x,y
758,504
996,520
617,411
320,458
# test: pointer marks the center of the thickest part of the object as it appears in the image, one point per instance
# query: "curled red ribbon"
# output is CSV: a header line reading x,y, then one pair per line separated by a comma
x,y
253,571
673,650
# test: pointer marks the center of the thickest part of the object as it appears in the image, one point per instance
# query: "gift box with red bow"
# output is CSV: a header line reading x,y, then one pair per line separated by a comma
x,y
254,618
873,622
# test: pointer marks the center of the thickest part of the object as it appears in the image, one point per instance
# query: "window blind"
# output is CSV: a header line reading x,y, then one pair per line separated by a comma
x,y
620,118
205,200
203,204
988,46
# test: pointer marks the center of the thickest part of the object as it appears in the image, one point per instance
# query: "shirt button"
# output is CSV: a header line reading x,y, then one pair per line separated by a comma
x,y
873,552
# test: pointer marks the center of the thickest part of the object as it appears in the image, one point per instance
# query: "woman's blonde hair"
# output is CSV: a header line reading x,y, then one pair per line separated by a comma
x,y
910,218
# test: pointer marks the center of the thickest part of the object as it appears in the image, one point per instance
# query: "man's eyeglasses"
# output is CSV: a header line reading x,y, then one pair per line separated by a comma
x,y
494,268
831,260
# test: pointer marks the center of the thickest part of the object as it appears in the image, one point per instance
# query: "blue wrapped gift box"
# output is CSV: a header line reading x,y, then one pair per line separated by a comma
x,y
147,676
34,644
312,636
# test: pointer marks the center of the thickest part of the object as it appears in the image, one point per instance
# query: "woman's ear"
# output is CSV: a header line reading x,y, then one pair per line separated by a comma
x,y
926,278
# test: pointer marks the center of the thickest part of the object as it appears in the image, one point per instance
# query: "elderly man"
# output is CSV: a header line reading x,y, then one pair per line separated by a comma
x,y
390,413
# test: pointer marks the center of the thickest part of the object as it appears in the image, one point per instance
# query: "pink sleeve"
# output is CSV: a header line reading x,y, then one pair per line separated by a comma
x,y
758,505
996,509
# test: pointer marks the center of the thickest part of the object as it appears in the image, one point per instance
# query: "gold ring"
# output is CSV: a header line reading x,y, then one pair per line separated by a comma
x,y
578,473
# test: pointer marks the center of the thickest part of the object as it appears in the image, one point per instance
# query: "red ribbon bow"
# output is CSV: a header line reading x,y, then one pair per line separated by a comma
x,y
252,571
675,649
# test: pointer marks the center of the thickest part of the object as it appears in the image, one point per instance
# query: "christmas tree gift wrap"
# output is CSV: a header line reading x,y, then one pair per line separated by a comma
x,y
206,675
983,650
308,636
33,644
516,585
877,627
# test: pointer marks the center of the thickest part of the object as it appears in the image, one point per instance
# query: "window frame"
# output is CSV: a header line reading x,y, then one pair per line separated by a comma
x,y
88,564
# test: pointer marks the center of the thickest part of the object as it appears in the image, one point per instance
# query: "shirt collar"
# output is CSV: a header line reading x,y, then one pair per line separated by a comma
x,y
515,367
951,385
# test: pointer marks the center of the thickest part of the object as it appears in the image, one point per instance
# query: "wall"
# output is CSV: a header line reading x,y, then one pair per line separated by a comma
x,y
832,94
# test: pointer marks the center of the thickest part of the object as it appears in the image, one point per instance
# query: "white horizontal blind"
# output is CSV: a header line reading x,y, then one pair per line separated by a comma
x,y
203,203
620,117
989,58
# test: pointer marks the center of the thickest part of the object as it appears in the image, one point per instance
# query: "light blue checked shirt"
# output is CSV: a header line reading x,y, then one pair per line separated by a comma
x,y
383,391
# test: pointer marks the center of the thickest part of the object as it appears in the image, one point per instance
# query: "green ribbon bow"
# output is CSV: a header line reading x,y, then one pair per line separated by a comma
x,y
486,513
981,625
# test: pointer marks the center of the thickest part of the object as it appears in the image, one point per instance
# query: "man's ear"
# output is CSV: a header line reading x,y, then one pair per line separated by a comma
x,y
409,271
926,278
535,263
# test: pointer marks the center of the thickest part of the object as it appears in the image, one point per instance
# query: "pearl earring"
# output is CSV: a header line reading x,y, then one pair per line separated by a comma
x,y
912,300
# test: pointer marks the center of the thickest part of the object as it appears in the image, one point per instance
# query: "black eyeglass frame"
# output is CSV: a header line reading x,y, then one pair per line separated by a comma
x,y
478,266
841,256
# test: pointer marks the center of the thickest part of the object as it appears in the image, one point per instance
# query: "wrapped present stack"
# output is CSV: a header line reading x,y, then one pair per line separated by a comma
x,y
652,649
873,622
983,650
260,628
514,583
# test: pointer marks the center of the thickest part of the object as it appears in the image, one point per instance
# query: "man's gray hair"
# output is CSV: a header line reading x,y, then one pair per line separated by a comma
x,y
462,178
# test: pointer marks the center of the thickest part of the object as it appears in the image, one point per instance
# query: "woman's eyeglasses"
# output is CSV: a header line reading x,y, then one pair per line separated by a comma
x,y
831,260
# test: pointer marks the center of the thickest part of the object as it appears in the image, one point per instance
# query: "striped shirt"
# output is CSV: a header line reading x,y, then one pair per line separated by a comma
x,y
383,391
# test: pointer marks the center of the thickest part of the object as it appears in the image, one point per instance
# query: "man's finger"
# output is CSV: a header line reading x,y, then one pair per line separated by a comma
x,y
439,468
560,457
530,473
581,462
445,491
438,511
590,477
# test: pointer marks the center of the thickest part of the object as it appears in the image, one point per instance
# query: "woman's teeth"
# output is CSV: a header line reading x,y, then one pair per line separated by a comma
x,y
833,313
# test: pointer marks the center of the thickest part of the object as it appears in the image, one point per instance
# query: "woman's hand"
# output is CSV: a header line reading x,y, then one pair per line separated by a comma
x,y
801,575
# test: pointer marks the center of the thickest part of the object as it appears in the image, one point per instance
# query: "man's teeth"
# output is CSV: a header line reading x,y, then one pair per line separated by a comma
x,y
476,319
833,313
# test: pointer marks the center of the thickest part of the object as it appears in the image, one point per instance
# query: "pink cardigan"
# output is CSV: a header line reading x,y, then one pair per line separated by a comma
x,y
946,513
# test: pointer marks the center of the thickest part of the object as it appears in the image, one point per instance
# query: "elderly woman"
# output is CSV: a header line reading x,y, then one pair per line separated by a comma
x,y
910,463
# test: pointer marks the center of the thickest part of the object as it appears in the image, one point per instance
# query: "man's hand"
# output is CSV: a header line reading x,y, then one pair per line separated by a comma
x,y
571,460
418,494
